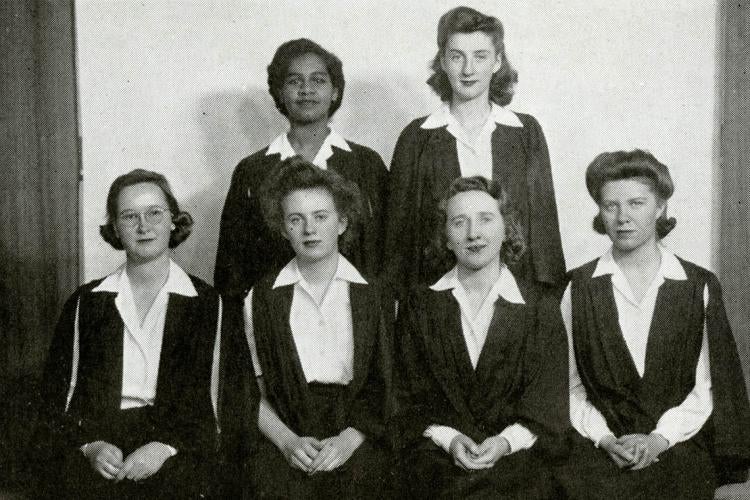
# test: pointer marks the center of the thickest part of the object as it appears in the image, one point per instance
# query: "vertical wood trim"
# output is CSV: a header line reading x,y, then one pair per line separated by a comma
x,y
734,163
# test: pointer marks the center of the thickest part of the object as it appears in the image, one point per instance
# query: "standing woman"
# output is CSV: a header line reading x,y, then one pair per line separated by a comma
x,y
131,385
481,406
472,133
307,85
320,337
657,395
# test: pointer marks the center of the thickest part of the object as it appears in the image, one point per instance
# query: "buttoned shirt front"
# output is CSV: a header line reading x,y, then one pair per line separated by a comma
x,y
142,341
323,332
474,155
283,147
475,328
676,424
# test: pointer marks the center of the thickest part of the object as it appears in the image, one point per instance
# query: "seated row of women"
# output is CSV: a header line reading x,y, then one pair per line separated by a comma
x,y
482,385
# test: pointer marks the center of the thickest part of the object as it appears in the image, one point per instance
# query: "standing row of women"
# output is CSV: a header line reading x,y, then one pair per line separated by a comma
x,y
388,335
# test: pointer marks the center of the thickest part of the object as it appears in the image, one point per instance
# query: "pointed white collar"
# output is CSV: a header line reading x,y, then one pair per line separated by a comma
x,y
498,114
505,286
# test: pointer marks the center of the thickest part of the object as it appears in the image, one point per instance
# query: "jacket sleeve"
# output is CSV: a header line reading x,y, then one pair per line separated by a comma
x,y
375,211
232,266
544,231
402,221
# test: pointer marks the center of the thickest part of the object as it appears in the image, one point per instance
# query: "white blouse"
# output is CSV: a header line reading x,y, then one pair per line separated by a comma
x,y
283,147
475,329
323,332
474,155
676,424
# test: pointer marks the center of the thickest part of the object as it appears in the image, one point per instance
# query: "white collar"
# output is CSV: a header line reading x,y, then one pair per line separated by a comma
x,y
442,117
283,147
670,267
177,282
345,271
505,286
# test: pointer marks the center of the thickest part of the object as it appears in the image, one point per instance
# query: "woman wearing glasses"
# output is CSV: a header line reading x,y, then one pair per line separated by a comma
x,y
131,383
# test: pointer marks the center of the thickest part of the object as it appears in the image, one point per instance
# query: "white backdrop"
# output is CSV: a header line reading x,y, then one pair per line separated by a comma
x,y
180,87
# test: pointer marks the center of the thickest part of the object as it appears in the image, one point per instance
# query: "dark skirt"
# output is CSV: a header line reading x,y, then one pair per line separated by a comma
x,y
685,471
364,475
428,472
181,476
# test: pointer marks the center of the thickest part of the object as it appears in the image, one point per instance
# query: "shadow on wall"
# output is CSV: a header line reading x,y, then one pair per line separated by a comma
x,y
236,124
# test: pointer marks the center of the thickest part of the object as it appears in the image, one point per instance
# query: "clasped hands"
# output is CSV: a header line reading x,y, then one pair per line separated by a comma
x,y
470,456
634,451
311,455
107,460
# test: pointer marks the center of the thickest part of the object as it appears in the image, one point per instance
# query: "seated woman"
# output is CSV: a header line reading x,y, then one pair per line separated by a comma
x,y
307,84
656,390
131,382
320,338
482,400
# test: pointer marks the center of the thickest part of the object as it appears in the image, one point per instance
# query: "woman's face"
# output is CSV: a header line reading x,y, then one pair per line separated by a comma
x,y
475,229
469,60
629,209
312,224
144,222
308,92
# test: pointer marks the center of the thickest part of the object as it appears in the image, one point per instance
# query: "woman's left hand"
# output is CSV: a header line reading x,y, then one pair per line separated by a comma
x,y
645,448
144,462
337,450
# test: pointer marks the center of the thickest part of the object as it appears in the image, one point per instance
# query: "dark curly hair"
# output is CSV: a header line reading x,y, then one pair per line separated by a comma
x,y
638,164
297,173
182,221
514,244
468,20
279,67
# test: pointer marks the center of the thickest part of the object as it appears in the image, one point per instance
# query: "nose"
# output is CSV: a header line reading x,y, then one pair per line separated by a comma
x,y
141,222
472,232
308,227
305,87
468,68
623,216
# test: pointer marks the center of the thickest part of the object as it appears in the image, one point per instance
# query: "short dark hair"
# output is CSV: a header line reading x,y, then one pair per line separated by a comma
x,y
182,221
296,173
514,244
286,53
468,20
635,164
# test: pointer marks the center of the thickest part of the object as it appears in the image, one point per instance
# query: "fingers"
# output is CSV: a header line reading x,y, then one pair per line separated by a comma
x,y
303,458
323,455
297,464
332,461
126,468
311,450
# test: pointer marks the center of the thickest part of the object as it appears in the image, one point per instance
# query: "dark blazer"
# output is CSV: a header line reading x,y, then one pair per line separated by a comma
x,y
425,162
519,376
634,404
368,396
183,416
248,249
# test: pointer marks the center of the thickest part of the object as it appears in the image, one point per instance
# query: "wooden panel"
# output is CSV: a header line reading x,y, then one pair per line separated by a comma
x,y
734,150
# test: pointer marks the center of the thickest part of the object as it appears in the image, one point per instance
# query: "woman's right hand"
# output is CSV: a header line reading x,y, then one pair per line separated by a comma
x,y
301,451
105,458
619,454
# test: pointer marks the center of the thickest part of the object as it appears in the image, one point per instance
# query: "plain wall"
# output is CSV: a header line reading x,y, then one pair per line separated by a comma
x,y
180,87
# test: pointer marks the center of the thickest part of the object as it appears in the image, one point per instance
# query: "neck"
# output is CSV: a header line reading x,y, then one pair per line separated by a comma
x,y
479,279
319,271
642,257
308,135
152,273
473,111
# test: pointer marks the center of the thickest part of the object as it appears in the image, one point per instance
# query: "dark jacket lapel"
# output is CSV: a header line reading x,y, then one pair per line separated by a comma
x,y
364,332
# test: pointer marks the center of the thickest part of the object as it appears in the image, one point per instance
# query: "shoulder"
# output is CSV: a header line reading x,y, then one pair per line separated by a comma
x,y
203,288
363,154
249,164
701,275
583,272
528,120
414,129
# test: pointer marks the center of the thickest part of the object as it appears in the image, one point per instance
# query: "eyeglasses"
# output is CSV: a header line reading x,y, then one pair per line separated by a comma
x,y
152,216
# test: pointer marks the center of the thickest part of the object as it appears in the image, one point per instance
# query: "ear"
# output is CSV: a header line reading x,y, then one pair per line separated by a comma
x,y
336,94
442,61
343,224
498,64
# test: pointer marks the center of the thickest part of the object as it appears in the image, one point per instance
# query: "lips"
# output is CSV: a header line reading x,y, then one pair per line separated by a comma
x,y
475,248
311,243
468,83
306,103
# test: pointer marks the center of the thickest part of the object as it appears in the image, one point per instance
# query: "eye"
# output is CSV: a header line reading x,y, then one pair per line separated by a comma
x,y
295,80
636,203
455,57
320,80
130,218
486,218
608,207
480,57
294,220
321,217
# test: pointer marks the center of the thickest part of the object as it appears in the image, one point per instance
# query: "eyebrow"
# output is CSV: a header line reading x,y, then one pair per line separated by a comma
x,y
314,73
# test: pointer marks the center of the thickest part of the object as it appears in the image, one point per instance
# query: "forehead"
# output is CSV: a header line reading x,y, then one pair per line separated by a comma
x,y
471,202
307,63
634,187
140,195
470,42
308,200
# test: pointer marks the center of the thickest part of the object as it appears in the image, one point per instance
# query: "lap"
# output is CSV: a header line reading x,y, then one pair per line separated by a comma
x,y
365,475
683,471
429,472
